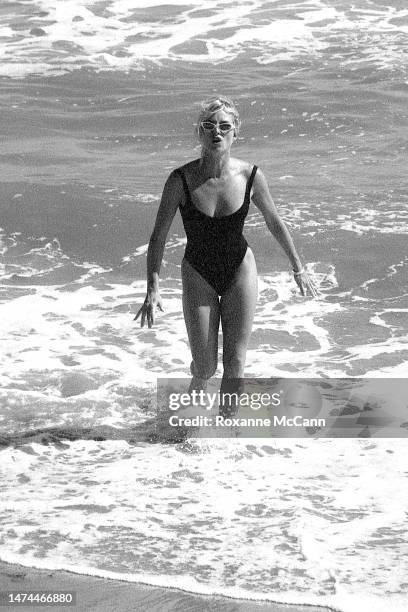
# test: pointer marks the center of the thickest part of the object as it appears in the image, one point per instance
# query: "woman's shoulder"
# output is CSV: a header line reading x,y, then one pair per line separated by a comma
x,y
186,168
183,174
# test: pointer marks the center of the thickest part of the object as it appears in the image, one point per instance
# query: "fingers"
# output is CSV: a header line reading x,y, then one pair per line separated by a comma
x,y
147,313
138,314
311,287
300,284
306,285
313,290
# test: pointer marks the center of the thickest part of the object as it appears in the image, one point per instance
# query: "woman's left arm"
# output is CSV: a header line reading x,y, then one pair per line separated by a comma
x,y
263,201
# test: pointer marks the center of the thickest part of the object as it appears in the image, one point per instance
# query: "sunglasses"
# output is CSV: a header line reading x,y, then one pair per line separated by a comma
x,y
224,126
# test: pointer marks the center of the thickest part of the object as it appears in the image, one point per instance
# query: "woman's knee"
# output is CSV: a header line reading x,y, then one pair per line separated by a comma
x,y
203,369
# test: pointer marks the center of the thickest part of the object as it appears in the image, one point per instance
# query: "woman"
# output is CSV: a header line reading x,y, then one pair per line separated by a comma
x,y
218,270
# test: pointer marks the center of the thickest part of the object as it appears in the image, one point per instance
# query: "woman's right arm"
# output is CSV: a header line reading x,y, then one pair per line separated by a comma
x,y
171,198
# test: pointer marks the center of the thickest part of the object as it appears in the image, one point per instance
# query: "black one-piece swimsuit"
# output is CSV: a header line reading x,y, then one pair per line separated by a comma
x,y
215,245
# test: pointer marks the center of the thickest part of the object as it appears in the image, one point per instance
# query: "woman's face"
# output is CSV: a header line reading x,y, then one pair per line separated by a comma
x,y
217,138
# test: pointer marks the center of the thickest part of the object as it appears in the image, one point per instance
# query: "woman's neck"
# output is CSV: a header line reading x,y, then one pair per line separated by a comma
x,y
212,165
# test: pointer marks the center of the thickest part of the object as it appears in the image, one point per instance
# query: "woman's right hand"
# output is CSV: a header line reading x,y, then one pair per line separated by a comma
x,y
152,301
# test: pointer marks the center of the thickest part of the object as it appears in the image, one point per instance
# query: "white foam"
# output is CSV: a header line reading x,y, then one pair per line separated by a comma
x,y
314,521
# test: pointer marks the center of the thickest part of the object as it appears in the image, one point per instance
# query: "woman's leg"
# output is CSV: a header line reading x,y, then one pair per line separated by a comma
x,y
237,314
201,308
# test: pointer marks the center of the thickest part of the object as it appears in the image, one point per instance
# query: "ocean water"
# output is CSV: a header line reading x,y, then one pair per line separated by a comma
x,y
98,101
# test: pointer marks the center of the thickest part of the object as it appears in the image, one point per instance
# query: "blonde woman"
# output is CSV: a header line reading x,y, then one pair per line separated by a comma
x,y
218,270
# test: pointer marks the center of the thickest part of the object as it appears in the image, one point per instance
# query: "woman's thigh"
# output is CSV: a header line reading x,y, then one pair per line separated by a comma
x,y
201,309
237,314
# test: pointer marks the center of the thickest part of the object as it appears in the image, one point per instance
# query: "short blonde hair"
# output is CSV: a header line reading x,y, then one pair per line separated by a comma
x,y
211,106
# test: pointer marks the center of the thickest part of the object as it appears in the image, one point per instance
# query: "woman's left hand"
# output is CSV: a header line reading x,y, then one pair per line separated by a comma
x,y
305,283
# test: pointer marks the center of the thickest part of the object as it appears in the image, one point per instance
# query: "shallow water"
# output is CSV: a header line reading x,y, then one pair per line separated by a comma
x,y
98,101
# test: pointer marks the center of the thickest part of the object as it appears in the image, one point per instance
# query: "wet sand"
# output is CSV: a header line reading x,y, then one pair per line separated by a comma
x,y
104,595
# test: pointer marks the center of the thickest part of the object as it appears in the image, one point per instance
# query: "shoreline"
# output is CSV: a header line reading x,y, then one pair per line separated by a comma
x,y
94,594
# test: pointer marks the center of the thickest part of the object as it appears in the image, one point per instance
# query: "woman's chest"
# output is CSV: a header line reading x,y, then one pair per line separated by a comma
x,y
216,197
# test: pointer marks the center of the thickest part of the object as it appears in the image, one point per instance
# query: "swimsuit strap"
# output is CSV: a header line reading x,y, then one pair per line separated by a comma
x,y
185,186
250,182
